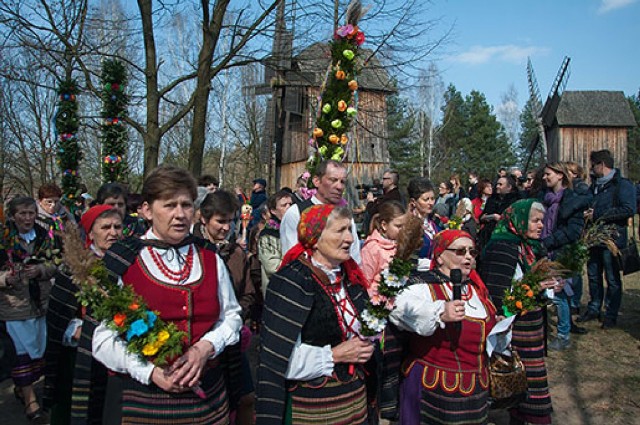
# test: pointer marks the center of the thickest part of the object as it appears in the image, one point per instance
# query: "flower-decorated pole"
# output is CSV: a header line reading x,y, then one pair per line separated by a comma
x,y
69,153
336,103
114,109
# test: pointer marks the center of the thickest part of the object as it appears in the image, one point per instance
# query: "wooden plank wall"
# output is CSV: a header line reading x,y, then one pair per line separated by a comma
x,y
576,143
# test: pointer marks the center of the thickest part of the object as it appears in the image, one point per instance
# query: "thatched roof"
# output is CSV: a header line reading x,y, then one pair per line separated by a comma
x,y
310,66
594,109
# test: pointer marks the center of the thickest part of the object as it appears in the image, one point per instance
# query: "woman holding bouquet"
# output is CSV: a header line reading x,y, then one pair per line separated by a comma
x,y
187,283
446,375
311,359
510,253
25,283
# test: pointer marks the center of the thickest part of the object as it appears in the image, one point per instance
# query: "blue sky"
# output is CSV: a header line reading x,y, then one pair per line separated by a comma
x,y
491,40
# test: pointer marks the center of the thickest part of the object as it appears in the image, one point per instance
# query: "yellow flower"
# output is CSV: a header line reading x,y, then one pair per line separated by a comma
x,y
150,349
163,336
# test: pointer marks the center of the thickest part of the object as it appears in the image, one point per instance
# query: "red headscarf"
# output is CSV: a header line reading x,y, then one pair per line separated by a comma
x,y
90,217
313,221
441,242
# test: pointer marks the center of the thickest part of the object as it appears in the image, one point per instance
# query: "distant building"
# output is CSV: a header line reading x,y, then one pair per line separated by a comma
x,y
583,121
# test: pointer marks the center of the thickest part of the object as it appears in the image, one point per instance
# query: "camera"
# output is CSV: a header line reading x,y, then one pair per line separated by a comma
x,y
364,189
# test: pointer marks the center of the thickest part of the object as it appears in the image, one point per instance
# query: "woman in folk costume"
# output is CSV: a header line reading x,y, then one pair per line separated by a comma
x,y
510,253
187,283
446,376
70,371
311,359
25,282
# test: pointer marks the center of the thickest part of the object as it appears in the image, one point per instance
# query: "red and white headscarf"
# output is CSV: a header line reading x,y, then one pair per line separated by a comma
x,y
313,221
441,242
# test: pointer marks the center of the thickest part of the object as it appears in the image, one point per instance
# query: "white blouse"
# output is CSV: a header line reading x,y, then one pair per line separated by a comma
x,y
110,350
417,312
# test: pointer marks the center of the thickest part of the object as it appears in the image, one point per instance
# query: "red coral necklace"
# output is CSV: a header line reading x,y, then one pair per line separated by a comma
x,y
174,276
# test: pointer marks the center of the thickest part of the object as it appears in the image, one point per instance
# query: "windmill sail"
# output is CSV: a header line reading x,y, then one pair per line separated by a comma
x,y
536,111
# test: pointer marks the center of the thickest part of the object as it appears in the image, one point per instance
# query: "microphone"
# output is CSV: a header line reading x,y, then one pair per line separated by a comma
x,y
456,281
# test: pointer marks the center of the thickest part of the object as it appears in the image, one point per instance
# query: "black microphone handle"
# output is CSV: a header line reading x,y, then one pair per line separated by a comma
x,y
456,280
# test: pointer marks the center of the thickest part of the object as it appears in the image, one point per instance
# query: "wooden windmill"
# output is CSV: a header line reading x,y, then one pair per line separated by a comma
x,y
571,124
538,110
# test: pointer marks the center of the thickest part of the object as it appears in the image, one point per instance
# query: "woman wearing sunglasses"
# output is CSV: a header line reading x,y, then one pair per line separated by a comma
x,y
513,248
445,372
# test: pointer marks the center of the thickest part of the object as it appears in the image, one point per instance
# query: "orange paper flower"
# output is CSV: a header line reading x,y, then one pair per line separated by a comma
x,y
353,85
530,294
317,133
134,306
519,304
340,75
334,139
119,319
344,139
342,106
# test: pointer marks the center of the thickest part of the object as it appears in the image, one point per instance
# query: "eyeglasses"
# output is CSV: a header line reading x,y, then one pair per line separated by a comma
x,y
461,252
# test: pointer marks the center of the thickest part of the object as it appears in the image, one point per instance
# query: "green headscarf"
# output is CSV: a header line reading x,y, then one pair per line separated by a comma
x,y
513,228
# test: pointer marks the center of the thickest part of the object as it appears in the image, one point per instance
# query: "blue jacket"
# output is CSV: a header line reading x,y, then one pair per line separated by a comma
x,y
615,203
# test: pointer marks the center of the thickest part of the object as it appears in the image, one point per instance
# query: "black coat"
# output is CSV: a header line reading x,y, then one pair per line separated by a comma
x,y
570,220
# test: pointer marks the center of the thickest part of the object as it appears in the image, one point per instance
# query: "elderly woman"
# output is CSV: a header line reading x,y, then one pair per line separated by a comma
x,y
25,282
311,360
69,372
446,377
189,285
52,215
510,253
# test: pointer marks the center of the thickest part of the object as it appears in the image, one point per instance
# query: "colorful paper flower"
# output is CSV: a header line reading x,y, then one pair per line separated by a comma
x,y
344,30
326,108
336,124
342,105
348,54
119,319
150,349
359,38
137,328
340,75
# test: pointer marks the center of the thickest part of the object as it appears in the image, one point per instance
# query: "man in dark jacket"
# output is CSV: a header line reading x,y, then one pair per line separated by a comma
x,y
390,192
258,197
614,202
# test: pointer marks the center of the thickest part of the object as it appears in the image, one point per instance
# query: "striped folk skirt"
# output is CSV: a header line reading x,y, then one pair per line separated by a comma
x,y
528,340
435,406
130,402
327,401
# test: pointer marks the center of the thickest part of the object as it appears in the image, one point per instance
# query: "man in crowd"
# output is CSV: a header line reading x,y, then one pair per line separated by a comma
x,y
330,179
614,202
473,185
390,192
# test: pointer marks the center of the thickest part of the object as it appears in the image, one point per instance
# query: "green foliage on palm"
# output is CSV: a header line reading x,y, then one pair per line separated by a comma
x,y
114,136
68,153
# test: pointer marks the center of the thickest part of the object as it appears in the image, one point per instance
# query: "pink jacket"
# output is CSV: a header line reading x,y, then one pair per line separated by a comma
x,y
376,253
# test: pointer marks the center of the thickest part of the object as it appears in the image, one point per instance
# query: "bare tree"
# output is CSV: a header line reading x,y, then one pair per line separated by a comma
x,y
508,113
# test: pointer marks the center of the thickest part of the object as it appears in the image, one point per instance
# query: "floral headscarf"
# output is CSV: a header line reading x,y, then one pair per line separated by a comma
x,y
313,221
513,227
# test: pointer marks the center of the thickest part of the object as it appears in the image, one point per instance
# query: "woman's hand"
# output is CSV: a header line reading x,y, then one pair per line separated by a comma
x,y
354,350
31,271
186,371
453,311
549,283
162,378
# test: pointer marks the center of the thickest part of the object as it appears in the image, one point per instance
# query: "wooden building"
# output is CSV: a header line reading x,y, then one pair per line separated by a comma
x,y
578,122
294,85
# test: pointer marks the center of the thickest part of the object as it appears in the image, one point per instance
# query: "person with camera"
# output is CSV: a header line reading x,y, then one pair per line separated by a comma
x,y
390,192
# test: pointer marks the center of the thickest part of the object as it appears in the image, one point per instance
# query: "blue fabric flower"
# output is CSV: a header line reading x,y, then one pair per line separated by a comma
x,y
138,328
151,318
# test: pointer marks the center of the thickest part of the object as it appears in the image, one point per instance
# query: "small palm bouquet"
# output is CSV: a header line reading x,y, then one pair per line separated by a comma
x,y
524,294
145,334
573,257
375,316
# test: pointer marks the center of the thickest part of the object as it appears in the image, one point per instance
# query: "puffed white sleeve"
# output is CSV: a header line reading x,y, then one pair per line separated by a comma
x,y
308,362
227,330
289,229
416,311
110,350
